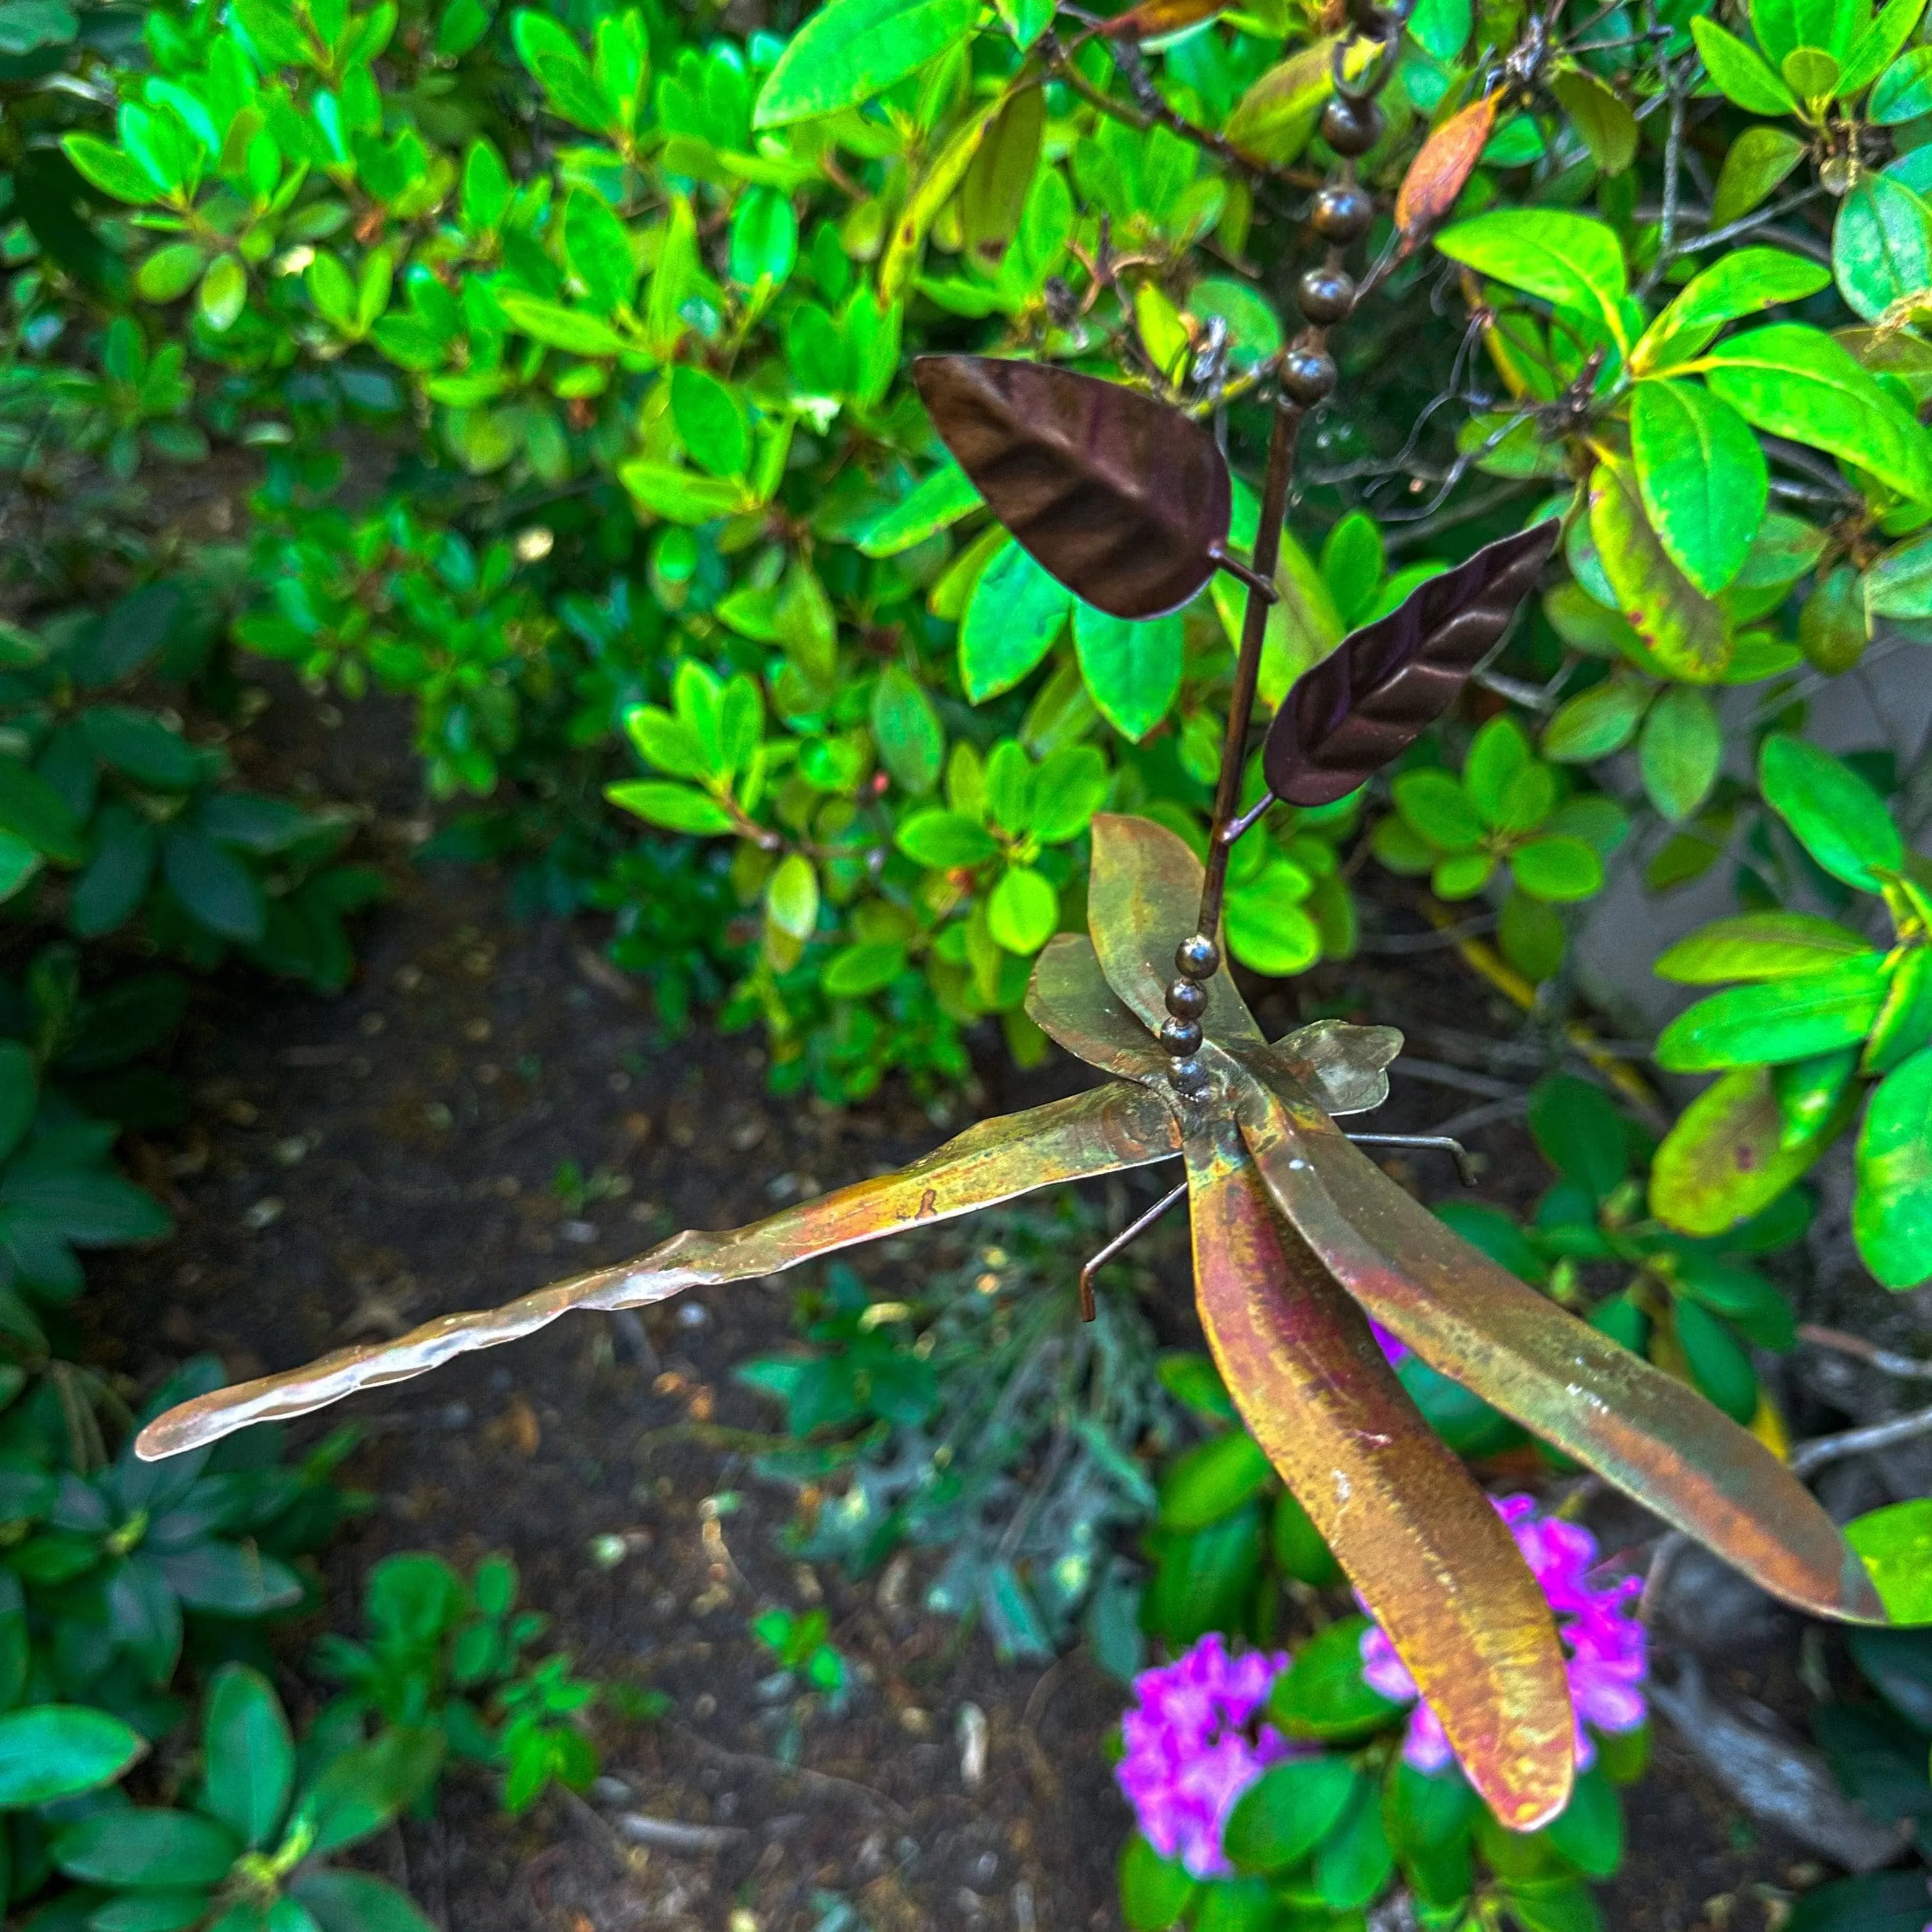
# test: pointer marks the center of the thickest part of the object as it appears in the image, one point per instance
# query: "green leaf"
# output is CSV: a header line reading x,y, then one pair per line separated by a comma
x,y
1881,244
1725,1159
1132,670
1831,812
1213,1480
1904,90
1756,162
224,293
684,496
1023,911
573,330
1267,930
360,1791
1437,807
940,501
711,421
1322,1694
168,273
216,889
110,169
52,1751
1681,751
1559,871
353,1901
1297,1546
1579,1131
1899,584
1778,1020
1702,477
33,811
1904,1022
906,729
1597,723
1740,73
1742,1296
147,1848
1155,1891
1553,1905
1071,784
945,840
1684,632
1718,1364
597,245
1572,260
19,1094
1774,945
851,50
1288,1811
676,807
1608,127
1016,612
1875,49
1792,380
1353,1863
550,54
764,238
1892,1217
1272,121
138,744
248,1755
854,971
1832,623
1812,74
1895,1543
1741,283
791,896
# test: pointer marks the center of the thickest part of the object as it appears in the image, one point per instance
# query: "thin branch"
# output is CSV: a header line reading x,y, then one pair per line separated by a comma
x,y
1884,1360
1823,1449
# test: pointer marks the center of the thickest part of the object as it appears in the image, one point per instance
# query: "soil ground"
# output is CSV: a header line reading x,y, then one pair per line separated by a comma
x,y
356,1165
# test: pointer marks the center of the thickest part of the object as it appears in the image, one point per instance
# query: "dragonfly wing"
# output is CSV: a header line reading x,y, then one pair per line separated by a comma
x,y
1143,899
1656,1439
1434,1562
1112,1126
1344,1066
1070,999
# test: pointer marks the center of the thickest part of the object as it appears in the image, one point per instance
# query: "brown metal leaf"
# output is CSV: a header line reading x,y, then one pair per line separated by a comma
x,y
1438,173
1382,686
1070,1001
1113,1127
1345,1067
1121,498
1656,1439
1433,1560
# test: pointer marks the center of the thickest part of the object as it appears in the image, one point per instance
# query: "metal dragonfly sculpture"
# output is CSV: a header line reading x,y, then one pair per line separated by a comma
x,y
1298,1237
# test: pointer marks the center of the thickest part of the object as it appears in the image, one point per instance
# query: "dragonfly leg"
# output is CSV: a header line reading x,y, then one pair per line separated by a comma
x,y
1123,1239
1260,586
1453,1148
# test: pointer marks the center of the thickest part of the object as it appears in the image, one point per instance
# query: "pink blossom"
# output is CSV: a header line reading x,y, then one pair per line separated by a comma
x,y
1193,1747
1603,1642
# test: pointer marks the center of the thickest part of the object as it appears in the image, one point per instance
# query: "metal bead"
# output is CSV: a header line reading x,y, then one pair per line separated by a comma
x,y
1326,294
1307,375
1351,126
1182,1038
1191,1076
1197,957
1186,999
1342,212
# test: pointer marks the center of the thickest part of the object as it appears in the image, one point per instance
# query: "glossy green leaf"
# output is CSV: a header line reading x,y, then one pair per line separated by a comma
x,y
1740,73
1892,1217
1023,911
1685,633
934,504
213,886
851,50
945,840
1155,1891
1904,90
1719,1365
1725,1158
1895,1543
353,1901
1323,1694
1874,49
1608,127
910,740
1761,945
1743,1297
249,1755
1132,670
1831,812
677,808
1017,611
1353,1862
1754,164
1288,1811
711,421
1778,1019
1213,1480
147,1848
1559,870
1881,244
1578,1130
1792,380
1681,751
1832,624
1569,260
52,1751
1597,723
1703,479
1589,1831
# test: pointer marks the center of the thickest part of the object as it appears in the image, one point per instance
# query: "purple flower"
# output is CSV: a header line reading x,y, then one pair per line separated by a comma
x,y
1605,1644
1393,1350
1192,1748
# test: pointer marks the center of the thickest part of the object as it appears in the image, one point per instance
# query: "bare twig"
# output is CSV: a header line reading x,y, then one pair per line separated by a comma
x,y
1847,1344
1823,1449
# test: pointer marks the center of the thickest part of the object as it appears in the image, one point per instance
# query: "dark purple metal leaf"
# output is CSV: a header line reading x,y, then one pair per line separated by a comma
x,y
1125,500
1383,685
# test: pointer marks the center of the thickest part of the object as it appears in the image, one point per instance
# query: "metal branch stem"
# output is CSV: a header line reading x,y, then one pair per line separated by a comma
x,y
1287,417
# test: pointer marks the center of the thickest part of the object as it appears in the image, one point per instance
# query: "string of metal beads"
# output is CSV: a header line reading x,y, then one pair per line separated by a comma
x,y
1352,123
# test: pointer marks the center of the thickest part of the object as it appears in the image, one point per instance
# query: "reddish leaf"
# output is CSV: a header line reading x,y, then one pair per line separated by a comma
x,y
1437,174
1153,18
1383,685
1123,498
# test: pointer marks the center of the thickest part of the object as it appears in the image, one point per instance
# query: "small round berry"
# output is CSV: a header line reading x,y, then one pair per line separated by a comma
x,y
1182,1038
1342,212
1186,999
1308,376
1351,126
1326,296
1197,957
